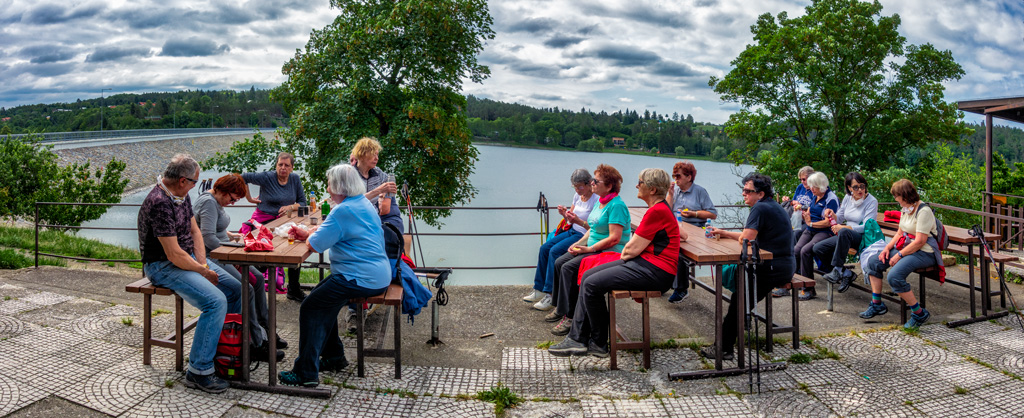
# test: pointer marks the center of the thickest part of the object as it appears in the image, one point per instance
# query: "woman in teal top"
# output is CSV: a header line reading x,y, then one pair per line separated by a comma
x,y
609,231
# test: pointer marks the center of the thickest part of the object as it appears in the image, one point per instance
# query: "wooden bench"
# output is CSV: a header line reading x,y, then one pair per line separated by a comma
x,y
771,328
643,298
392,299
173,341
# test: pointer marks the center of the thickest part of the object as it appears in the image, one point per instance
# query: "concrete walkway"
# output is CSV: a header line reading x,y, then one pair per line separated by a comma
x,y
70,346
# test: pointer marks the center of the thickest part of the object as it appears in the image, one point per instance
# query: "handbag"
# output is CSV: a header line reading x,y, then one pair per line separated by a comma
x,y
562,226
258,238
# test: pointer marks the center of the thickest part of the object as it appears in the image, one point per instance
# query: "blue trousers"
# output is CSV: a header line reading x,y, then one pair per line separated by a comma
x,y
544,279
318,322
214,301
898,274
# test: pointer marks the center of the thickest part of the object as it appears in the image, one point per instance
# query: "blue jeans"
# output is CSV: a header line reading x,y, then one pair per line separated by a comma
x,y
214,301
549,252
902,269
318,323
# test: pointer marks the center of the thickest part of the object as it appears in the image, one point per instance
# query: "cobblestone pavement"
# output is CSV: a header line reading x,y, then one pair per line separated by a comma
x,y
79,353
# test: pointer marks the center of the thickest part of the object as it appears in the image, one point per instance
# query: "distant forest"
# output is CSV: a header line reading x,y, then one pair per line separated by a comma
x,y
593,131
489,120
515,123
122,111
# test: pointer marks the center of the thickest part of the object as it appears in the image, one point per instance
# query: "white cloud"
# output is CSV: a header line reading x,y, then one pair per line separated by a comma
x,y
597,54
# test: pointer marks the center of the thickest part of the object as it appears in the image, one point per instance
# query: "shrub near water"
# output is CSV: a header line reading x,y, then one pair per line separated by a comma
x,y
11,259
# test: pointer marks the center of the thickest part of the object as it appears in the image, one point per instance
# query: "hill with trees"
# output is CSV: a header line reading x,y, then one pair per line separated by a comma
x,y
183,109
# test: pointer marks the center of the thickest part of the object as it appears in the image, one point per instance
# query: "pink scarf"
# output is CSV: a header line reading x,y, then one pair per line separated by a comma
x,y
607,198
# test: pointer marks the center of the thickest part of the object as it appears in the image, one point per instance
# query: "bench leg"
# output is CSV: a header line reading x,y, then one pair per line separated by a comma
x,y
613,336
147,328
398,341
796,319
829,306
360,317
179,331
647,334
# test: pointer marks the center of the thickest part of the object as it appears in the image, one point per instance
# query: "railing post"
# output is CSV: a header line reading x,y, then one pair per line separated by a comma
x,y
37,235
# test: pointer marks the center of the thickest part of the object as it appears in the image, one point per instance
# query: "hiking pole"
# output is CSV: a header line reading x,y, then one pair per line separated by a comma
x,y
542,208
745,260
976,231
412,225
755,258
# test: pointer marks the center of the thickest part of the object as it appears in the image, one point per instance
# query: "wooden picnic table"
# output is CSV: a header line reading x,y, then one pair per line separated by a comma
x,y
962,236
285,256
716,253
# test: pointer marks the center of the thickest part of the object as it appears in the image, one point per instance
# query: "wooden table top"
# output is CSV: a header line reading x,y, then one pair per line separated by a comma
x,y
956,234
700,249
283,253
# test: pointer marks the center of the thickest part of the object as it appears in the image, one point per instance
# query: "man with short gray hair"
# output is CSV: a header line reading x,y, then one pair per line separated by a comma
x,y
168,237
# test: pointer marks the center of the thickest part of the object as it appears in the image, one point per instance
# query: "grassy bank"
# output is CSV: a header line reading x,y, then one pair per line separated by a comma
x,y
606,150
17,246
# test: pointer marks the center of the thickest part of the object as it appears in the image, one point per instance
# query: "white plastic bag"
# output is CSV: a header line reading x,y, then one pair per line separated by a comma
x,y
282,231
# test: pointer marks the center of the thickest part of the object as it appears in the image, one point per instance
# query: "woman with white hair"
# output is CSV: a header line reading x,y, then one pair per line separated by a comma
x,y
359,268
818,226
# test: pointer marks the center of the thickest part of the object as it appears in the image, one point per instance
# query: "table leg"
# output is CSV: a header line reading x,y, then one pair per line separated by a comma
x,y
272,330
970,276
718,315
246,314
740,297
986,281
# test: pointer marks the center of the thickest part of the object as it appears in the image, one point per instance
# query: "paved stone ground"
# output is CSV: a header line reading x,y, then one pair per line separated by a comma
x,y
64,354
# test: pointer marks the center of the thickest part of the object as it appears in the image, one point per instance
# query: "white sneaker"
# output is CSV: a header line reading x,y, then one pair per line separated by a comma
x,y
537,295
544,304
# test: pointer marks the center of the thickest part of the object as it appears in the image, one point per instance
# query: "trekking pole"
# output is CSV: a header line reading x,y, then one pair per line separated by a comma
x,y
416,243
755,257
976,231
737,298
542,208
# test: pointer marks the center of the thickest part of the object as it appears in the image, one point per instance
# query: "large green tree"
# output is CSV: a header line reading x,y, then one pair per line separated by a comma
x,y
839,89
30,173
392,70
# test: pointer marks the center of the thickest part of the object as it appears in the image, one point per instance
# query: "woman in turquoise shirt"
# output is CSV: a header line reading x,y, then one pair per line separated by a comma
x,y
609,231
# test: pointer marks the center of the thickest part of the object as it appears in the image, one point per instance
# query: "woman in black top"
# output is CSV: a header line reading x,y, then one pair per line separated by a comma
x,y
768,225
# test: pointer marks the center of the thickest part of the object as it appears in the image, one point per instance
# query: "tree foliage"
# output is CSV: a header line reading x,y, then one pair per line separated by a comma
x,y
391,70
837,89
29,173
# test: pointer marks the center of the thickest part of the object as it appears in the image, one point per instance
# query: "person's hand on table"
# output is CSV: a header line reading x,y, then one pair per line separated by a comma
x,y
688,213
301,234
284,209
233,236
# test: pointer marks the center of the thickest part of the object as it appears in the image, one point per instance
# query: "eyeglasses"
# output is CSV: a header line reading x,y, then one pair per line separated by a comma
x,y
858,187
596,181
803,179
639,183
233,198
749,191
194,181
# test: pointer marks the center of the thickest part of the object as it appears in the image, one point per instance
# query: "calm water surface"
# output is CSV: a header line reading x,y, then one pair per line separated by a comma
x,y
504,177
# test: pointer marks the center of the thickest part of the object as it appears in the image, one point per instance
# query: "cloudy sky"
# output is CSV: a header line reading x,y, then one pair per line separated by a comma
x,y
599,54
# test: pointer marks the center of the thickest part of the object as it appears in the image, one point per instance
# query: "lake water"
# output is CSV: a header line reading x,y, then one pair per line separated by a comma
x,y
504,177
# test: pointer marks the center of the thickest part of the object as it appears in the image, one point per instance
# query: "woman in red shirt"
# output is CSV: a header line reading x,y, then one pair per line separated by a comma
x,y
648,262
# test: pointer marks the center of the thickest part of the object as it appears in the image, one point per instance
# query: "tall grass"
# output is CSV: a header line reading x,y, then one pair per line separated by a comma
x,y
56,242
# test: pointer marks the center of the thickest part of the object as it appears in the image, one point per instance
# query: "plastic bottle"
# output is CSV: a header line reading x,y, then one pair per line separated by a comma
x,y
707,230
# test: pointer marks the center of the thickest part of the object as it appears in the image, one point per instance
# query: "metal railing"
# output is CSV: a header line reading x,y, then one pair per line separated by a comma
x,y
53,137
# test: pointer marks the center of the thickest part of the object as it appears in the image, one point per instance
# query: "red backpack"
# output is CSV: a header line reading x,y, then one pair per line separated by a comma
x,y
228,361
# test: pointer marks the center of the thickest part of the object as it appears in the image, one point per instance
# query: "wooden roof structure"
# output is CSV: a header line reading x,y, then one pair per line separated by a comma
x,y
1006,108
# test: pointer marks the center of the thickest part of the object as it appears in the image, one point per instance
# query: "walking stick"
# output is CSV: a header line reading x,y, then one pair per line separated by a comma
x,y
413,230
736,298
976,231
542,207
755,257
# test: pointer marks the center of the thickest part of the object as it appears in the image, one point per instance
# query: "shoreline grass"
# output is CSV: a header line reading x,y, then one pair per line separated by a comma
x,y
56,242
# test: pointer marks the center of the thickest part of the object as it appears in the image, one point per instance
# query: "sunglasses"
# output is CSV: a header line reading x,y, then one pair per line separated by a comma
x,y
596,181
749,191
858,187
